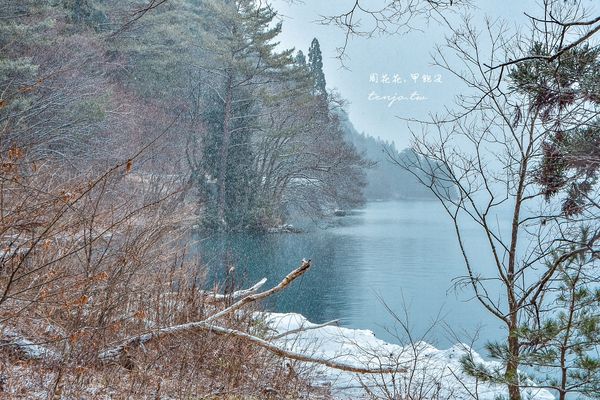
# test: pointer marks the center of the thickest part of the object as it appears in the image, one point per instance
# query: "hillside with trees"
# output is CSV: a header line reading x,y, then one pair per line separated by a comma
x,y
385,180
258,133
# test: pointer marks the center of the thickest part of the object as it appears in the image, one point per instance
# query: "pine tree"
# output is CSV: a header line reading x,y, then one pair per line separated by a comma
x,y
300,59
239,36
86,13
44,83
565,342
560,337
163,52
571,163
315,63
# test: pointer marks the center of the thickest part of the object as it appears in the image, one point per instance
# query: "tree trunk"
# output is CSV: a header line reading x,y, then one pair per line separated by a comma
x,y
224,153
512,365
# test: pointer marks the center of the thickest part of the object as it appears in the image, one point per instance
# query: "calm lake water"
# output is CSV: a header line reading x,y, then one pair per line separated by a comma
x,y
403,253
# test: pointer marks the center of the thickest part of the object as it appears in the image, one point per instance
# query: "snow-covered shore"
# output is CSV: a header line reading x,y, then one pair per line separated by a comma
x,y
431,373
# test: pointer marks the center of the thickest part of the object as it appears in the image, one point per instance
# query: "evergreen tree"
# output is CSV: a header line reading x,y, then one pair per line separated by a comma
x,y
560,337
163,53
565,343
315,63
46,104
300,59
239,37
571,162
86,13
254,126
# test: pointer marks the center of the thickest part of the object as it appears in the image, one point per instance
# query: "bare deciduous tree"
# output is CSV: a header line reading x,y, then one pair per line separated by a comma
x,y
490,149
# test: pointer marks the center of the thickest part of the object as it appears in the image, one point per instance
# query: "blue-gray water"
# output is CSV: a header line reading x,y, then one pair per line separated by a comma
x,y
404,253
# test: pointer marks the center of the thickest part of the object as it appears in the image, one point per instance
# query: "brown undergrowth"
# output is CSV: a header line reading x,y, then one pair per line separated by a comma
x,y
92,259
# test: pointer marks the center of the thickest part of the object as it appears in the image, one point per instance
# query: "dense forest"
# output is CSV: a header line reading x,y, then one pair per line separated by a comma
x,y
244,129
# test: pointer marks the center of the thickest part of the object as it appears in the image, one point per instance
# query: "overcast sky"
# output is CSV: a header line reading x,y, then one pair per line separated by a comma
x,y
403,55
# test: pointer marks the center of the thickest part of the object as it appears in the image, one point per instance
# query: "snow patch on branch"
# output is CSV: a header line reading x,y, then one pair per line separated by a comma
x,y
213,297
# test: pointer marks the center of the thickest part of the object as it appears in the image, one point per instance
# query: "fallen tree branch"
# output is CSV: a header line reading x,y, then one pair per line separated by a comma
x,y
304,266
120,351
117,351
304,329
302,357
213,297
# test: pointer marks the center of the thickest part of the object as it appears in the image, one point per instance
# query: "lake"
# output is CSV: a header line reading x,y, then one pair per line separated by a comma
x,y
401,253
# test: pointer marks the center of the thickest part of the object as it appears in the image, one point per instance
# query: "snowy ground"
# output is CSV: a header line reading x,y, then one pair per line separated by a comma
x,y
436,374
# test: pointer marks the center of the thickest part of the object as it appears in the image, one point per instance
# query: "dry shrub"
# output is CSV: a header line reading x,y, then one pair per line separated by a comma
x,y
89,259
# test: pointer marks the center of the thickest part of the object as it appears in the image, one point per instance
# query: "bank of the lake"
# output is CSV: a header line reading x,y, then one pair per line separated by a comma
x,y
415,370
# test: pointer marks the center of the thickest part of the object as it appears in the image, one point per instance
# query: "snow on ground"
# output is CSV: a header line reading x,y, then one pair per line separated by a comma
x,y
29,349
432,373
